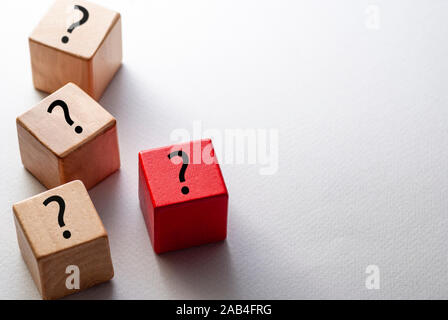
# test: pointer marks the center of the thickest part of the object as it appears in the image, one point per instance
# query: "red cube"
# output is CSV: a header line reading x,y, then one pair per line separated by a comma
x,y
183,196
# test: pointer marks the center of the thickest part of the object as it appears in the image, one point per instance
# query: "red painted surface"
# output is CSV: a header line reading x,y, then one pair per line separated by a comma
x,y
176,220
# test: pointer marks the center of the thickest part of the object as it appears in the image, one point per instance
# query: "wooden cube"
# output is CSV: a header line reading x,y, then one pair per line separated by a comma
x,y
77,42
68,136
183,198
58,230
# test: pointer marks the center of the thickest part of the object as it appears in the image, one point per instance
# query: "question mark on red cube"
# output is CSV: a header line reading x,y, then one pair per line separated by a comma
x,y
183,196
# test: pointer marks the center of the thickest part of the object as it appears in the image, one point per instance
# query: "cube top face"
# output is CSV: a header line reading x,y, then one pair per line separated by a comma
x,y
49,121
59,219
171,181
76,27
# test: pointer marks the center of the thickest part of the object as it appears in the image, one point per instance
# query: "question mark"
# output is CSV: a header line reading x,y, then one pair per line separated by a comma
x,y
85,17
185,161
61,203
63,105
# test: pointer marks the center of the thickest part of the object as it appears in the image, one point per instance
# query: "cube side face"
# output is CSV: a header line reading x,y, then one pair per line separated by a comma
x,y
191,224
38,159
28,255
52,69
93,161
146,203
93,260
107,60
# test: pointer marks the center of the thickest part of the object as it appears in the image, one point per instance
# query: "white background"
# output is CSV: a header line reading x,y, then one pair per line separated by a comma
x,y
362,118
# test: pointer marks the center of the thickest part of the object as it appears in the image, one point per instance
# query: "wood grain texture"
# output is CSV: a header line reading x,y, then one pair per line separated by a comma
x,y
107,60
38,159
47,253
90,58
28,255
93,161
55,154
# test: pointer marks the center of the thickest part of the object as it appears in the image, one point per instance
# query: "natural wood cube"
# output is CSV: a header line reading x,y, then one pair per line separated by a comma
x,y
68,136
59,231
77,42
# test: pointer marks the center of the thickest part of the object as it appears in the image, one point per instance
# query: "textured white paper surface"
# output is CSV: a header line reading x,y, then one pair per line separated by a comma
x,y
361,110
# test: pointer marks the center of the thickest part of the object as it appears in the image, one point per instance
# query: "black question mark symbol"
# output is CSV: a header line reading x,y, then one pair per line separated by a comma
x,y
63,105
61,203
85,17
185,161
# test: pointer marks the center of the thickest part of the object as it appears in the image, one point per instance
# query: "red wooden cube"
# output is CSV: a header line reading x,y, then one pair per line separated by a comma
x,y
183,196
